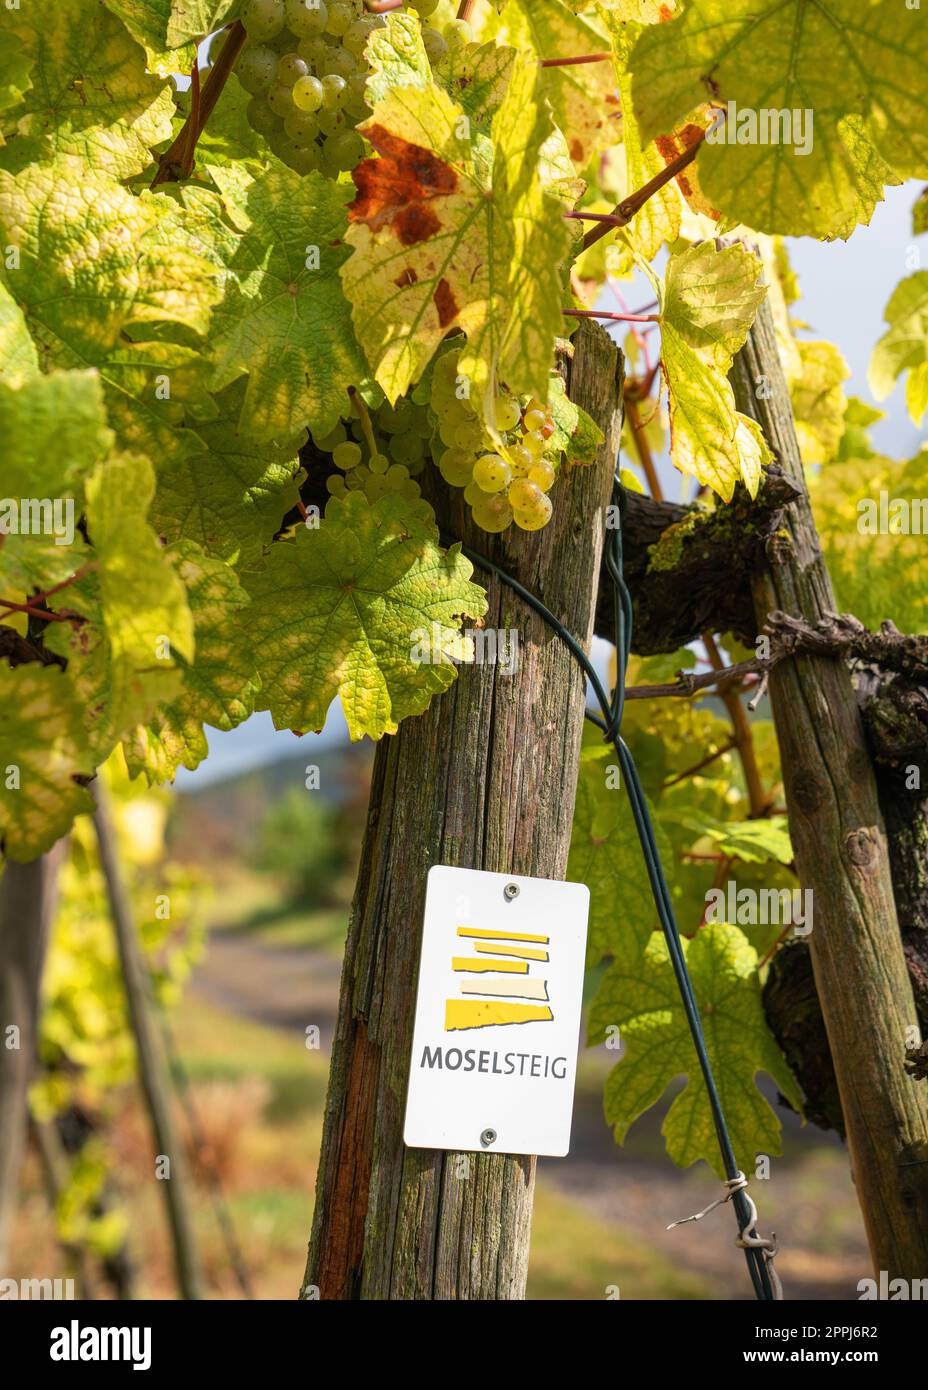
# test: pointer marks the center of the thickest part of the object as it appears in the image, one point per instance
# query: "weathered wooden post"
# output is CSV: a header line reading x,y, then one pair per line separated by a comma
x,y
485,779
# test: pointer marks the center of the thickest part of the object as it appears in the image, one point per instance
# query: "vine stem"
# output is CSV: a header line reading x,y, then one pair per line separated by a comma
x,y
635,201
466,9
642,447
572,62
613,318
177,161
744,737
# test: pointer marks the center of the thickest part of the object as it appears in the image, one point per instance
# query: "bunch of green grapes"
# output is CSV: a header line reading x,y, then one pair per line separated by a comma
x,y
305,69
380,452
502,482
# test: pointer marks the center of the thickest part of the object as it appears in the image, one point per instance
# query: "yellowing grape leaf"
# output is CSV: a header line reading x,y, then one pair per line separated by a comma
x,y
873,523
643,1001
708,304
904,345
219,687
819,401
449,233
605,854
125,660
96,263
284,319
336,611
54,431
850,73
91,95
42,750
18,357
230,496
583,97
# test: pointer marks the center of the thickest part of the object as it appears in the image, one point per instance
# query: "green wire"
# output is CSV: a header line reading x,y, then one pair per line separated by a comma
x,y
610,723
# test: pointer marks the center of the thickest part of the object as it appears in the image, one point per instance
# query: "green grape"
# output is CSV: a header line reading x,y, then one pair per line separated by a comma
x,y
525,496
256,69
301,128
339,62
521,460
290,69
456,467
353,482
261,118
535,520
345,150
435,46
313,51
458,33
469,434
307,94
306,16
410,490
492,473
474,494
340,19
334,90
407,447
506,413
346,456
534,419
534,442
396,477
305,158
492,513
424,8
335,483
448,433
377,487
378,463
263,18
331,122
356,36
542,474
280,100
327,442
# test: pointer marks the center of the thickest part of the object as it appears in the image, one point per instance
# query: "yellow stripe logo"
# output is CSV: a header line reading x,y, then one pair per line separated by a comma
x,y
499,972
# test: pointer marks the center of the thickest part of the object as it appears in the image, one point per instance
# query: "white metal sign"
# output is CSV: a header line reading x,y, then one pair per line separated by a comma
x,y
494,1053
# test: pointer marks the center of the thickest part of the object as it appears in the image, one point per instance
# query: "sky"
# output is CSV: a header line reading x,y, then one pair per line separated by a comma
x,y
845,287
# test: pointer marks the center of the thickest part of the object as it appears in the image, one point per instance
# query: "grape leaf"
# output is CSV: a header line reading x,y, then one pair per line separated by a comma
x,y
643,1001
709,301
819,401
575,433
15,81
754,841
605,854
139,618
91,95
879,571
284,320
42,750
335,610
448,233
219,687
582,97
231,496
18,357
904,345
854,66
54,428
96,263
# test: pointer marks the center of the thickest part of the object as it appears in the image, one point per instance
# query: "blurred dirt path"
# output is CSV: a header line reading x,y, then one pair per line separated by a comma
x,y
284,987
